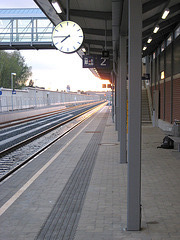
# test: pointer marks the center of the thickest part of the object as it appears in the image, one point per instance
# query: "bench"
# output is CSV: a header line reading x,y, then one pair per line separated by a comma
x,y
177,141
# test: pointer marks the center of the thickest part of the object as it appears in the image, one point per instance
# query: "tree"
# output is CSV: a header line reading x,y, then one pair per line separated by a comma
x,y
13,63
31,83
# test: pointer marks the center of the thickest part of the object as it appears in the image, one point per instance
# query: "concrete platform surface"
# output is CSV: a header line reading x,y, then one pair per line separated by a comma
x,y
77,189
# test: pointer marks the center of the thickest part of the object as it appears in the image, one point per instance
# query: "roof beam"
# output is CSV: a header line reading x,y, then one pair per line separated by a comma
x,y
91,14
98,42
152,4
124,19
157,16
100,32
93,49
157,40
150,20
163,25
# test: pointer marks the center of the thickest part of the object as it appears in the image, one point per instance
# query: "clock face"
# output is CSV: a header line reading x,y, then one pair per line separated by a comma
x,y
68,36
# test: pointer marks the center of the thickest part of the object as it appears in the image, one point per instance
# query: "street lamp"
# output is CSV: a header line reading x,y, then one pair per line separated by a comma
x,y
35,93
12,74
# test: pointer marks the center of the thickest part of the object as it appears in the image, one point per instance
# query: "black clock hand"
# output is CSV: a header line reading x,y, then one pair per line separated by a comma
x,y
65,38
59,36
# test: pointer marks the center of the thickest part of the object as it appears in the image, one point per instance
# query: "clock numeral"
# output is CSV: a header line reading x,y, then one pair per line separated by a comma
x,y
67,23
56,30
80,36
74,47
78,30
78,42
74,25
56,43
67,49
61,48
61,25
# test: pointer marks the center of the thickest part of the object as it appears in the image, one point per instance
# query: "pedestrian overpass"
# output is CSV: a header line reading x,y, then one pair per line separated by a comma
x,y
25,29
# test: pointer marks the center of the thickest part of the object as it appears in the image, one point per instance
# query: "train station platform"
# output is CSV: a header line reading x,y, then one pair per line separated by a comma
x,y
77,189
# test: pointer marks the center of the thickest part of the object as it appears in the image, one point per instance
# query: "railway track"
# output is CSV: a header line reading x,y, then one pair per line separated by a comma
x,y
42,115
22,142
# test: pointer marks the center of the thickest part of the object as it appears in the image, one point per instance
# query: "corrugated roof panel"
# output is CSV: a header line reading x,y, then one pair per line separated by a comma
x,y
21,12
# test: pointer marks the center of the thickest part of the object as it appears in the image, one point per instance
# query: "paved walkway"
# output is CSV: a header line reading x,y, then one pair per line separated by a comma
x,y
104,212
101,214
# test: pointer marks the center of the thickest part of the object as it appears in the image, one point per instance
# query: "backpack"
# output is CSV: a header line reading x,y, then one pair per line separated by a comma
x,y
168,143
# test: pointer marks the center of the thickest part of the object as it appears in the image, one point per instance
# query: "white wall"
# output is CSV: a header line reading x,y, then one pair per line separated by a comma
x,y
32,97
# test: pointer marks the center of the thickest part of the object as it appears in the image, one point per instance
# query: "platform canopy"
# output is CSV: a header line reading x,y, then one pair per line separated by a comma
x,y
103,21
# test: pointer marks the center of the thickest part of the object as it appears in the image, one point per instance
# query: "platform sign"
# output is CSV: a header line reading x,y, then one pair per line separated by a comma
x,y
88,61
93,61
102,62
105,53
13,91
146,76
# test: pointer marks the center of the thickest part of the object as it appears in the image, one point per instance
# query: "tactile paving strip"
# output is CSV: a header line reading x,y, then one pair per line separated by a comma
x,y
64,217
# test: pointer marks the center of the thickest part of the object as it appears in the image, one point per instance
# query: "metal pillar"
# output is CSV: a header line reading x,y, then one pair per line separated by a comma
x,y
134,116
67,9
118,102
172,70
147,65
164,97
113,102
123,100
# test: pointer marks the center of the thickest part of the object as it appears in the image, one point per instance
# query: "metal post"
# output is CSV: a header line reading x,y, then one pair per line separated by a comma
x,y
11,34
12,81
134,116
164,97
112,78
115,93
17,34
67,9
147,65
151,75
123,100
88,49
105,34
12,87
118,102
36,30
35,98
172,70
32,31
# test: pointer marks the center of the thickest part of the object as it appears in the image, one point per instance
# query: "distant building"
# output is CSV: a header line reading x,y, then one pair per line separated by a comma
x,y
68,88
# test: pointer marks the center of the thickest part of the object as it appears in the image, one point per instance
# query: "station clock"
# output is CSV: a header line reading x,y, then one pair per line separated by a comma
x,y
67,36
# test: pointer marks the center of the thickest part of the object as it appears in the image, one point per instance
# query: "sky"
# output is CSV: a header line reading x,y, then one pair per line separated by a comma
x,y
51,68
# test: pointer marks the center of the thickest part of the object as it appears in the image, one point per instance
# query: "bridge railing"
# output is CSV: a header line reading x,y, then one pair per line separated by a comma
x,y
30,30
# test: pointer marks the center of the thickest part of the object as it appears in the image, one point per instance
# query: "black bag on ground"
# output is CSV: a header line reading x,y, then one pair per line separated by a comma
x,y
168,143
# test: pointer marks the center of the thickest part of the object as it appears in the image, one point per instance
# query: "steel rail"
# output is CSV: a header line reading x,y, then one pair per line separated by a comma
x,y
94,109
39,116
32,138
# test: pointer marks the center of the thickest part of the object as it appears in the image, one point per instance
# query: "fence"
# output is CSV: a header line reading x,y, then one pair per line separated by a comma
x,y
35,97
